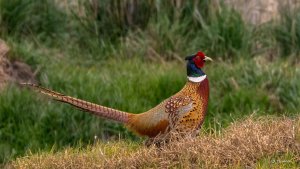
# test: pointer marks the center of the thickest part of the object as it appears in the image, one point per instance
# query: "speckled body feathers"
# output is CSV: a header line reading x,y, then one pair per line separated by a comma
x,y
182,112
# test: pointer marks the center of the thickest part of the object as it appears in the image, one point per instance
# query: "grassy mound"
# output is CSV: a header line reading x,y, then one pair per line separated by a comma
x,y
262,142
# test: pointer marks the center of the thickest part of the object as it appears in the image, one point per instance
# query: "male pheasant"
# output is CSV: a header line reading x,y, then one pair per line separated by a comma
x,y
182,112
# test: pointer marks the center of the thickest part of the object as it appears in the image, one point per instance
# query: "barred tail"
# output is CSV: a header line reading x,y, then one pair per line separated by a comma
x,y
98,110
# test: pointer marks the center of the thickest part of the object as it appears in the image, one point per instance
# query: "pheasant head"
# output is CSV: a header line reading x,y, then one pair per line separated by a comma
x,y
194,66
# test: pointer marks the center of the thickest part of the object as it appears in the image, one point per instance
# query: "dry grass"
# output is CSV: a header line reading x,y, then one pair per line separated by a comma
x,y
262,11
242,144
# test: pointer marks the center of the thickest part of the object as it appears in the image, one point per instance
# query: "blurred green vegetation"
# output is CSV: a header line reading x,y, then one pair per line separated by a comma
x,y
129,55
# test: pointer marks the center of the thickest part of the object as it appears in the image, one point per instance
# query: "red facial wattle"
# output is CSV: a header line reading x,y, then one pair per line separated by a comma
x,y
199,59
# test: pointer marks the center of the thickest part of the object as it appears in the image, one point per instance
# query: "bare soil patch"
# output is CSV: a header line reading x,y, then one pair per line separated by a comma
x,y
13,71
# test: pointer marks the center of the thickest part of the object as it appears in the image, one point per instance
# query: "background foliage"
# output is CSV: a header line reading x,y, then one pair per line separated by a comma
x,y
129,55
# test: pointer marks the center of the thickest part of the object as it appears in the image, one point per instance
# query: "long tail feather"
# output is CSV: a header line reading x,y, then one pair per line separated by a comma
x,y
98,110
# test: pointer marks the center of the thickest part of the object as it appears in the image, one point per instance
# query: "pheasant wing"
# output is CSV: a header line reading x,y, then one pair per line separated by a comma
x,y
177,108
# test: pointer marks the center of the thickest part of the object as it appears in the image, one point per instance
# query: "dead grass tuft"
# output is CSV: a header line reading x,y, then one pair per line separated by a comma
x,y
241,144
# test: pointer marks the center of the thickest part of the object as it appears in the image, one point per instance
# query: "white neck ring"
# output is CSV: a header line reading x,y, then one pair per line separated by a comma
x,y
196,79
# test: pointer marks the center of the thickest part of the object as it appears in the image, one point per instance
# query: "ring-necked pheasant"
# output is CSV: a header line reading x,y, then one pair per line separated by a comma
x,y
183,112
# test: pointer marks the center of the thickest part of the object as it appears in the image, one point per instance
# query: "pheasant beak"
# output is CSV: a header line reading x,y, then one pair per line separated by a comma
x,y
208,58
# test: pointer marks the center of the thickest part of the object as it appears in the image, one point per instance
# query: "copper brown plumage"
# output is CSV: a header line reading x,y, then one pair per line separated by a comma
x,y
183,112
